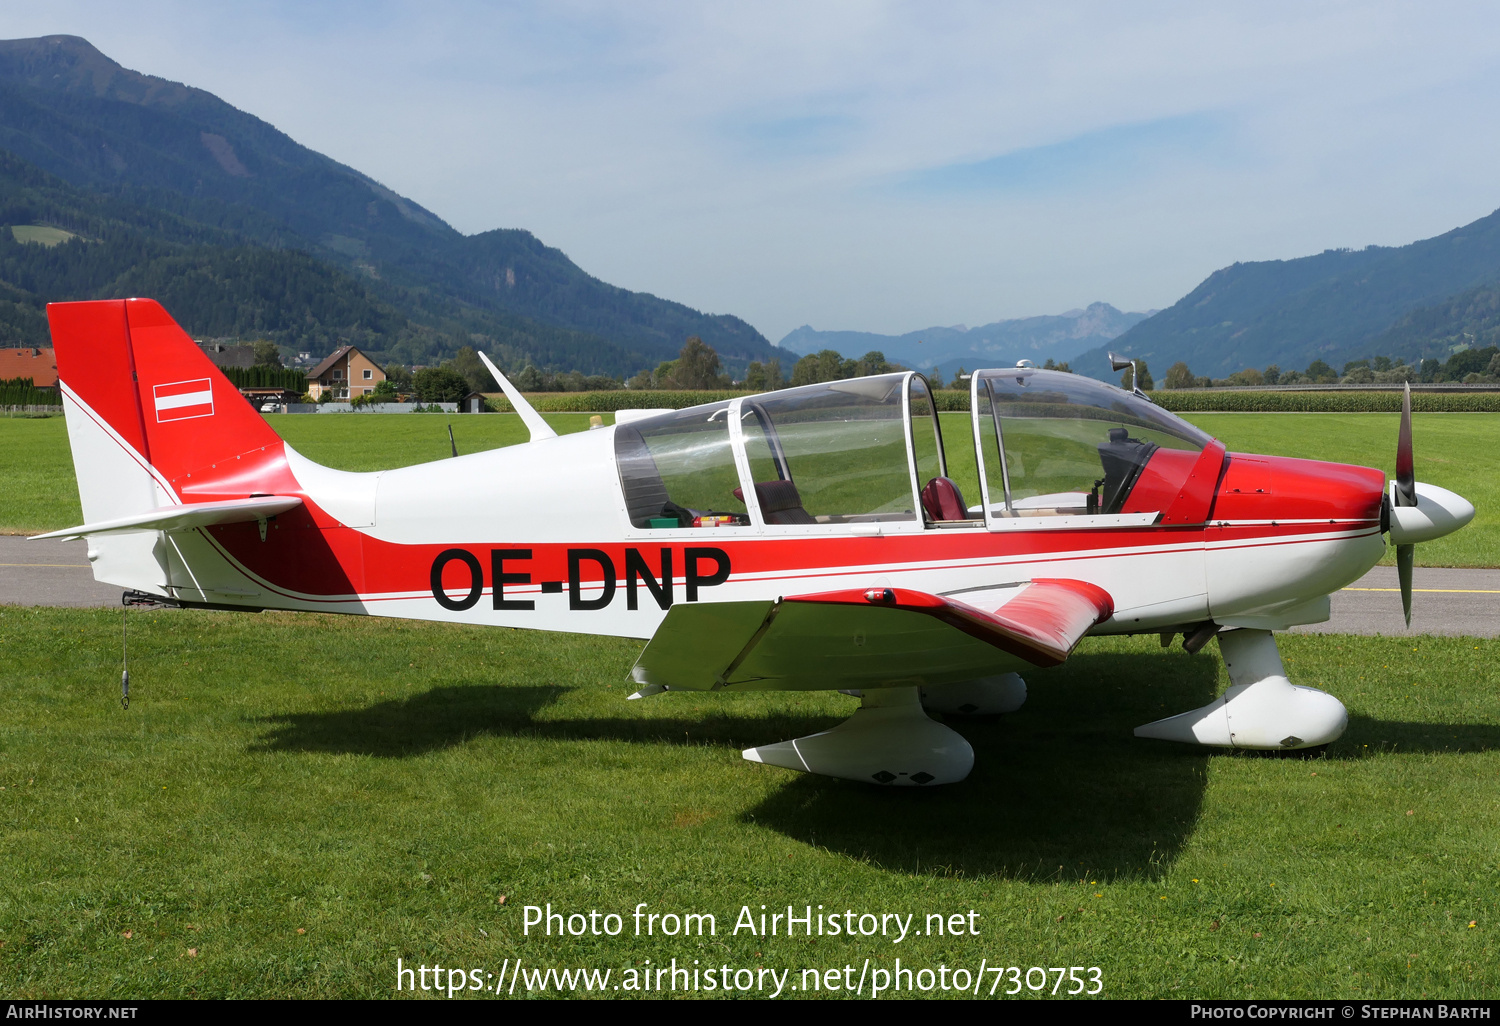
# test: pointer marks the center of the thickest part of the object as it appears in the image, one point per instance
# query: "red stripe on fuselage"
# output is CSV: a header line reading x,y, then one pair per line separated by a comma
x,y
309,556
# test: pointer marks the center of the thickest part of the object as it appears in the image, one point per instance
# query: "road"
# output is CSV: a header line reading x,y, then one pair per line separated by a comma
x,y
1446,601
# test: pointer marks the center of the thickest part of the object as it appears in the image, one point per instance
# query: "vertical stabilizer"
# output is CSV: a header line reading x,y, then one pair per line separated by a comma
x,y
151,423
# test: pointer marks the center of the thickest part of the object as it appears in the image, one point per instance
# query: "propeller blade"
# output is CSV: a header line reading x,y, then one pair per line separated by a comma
x,y
1406,478
1404,556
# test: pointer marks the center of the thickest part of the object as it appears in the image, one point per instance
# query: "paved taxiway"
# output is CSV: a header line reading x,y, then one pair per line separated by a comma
x,y
1454,602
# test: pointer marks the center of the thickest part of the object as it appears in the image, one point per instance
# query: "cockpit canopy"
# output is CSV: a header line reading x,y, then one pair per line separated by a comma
x,y
870,450
1071,445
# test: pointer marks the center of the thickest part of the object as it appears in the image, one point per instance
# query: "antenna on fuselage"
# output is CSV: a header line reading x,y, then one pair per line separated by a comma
x,y
533,420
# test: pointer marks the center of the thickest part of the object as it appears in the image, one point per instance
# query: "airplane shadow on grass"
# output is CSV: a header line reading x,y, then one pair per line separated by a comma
x,y
1060,790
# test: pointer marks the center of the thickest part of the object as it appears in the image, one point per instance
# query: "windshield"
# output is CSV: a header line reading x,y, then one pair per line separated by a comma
x,y
677,470
830,453
1060,444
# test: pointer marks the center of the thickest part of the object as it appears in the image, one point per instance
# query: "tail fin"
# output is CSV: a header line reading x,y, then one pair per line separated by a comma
x,y
136,377
152,423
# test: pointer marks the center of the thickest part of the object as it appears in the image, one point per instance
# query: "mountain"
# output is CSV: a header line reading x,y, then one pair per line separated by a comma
x,y
1058,337
180,155
1403,301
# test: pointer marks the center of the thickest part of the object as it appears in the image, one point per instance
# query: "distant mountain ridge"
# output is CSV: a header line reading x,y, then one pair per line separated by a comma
x,y
184,155
1057,337
1405,302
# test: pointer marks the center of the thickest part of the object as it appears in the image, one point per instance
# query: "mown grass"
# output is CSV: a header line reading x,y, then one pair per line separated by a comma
x,y
40,233
1460,451
380,785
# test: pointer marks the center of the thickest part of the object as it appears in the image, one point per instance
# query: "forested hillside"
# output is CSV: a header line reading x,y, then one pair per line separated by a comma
x,y
1405,302
240,230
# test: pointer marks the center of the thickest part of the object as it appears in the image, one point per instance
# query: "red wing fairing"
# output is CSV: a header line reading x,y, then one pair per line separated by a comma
x,y
870,638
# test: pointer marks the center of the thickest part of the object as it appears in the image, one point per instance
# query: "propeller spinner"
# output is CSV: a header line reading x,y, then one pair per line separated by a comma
x,y
1418,512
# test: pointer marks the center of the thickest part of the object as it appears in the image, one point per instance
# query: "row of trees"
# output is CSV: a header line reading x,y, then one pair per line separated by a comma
x,y
698,367
1471,366
21,392
266,376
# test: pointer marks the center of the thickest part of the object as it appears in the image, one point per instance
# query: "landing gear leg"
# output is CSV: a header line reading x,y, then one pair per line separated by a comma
x,y
1261,709
889,740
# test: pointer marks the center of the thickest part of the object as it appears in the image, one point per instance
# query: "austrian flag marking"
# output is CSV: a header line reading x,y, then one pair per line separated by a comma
x,y
182,400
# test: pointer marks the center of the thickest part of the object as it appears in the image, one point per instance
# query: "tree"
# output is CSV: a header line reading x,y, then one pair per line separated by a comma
x,y
467,363
266,354
1272,374
697,366
399,376
384,392
439,385
873,362
824,366
527,379
763,377
936,377
1320,373
1248,376
1179,376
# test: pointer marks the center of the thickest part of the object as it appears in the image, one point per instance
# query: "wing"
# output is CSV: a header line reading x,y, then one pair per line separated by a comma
x,y
881,637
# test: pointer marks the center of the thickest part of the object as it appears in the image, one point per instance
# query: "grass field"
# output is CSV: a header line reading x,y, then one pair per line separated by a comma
x,y
1460,451
291,803
40,233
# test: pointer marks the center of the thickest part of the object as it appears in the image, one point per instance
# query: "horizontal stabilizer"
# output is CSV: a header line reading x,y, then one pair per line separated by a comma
x,y
880,637
187,517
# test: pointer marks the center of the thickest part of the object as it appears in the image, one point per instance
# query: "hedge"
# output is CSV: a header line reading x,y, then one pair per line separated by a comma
x,y
266,377
21,392
953,401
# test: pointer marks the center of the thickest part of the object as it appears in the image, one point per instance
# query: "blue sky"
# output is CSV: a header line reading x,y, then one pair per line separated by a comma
x,y
867,165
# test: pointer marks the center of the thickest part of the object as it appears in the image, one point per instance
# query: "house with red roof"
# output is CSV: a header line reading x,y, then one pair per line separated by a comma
x,y
40,365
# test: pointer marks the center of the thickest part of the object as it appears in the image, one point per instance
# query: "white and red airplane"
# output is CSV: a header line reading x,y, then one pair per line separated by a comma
x,y
807,539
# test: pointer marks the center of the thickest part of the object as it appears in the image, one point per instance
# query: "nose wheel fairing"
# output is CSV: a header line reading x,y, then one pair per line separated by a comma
x,y
1261,709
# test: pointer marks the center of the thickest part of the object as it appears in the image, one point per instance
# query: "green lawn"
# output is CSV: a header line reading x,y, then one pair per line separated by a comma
x,y
40,233
293,802
1460,451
